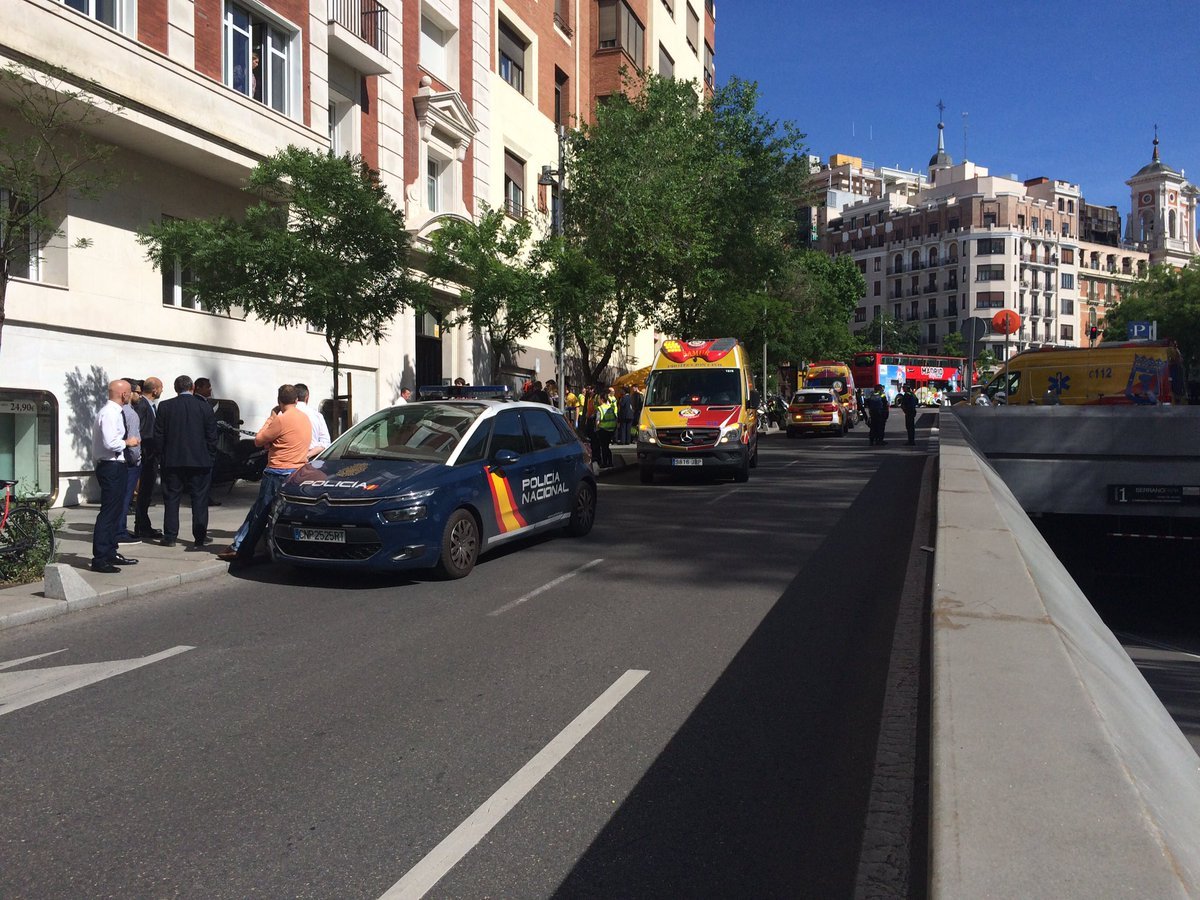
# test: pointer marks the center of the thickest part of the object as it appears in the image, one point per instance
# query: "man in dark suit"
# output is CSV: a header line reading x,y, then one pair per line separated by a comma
x,y
185,430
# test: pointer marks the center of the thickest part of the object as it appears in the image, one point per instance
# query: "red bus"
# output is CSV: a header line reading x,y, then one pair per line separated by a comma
x,y
894,370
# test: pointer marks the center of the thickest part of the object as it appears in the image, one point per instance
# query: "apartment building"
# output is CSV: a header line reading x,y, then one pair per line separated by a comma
x,y
964,243
455,102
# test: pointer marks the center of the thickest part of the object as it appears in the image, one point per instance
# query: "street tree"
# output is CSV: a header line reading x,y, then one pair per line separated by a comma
x,y
952,344
46,155
986,362
819,293
501,297
678,205
324,246
888,333
1169,296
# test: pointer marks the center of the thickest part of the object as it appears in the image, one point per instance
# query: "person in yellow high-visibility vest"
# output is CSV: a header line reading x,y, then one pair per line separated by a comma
x,y
606,426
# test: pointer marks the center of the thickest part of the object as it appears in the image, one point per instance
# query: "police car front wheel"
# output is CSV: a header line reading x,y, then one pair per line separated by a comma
x,y
460,545
583,510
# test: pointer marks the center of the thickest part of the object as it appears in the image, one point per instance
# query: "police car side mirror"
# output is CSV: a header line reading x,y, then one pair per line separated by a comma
x,y
505,457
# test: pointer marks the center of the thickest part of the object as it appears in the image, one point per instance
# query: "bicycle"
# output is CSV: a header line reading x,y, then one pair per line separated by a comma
x,y
24,532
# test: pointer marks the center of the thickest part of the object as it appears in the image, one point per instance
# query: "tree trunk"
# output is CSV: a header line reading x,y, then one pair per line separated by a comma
x,y
3,294
334,347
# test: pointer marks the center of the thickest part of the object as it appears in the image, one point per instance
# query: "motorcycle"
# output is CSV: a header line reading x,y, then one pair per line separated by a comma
x,y
237,456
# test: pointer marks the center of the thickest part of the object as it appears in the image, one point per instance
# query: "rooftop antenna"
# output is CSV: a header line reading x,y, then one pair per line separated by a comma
x,y
964,115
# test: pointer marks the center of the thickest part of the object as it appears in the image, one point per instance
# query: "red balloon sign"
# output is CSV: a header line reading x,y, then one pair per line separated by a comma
x,y
1006,322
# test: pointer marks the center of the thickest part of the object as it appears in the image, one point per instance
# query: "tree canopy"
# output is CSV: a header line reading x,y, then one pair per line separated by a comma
x,y
501,293
1169,296
46,155
325,245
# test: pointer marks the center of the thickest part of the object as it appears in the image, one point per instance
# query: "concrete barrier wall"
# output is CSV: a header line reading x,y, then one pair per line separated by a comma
x,y
1056,771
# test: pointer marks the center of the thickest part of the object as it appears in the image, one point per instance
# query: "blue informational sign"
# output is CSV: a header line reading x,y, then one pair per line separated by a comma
x,y
1138,331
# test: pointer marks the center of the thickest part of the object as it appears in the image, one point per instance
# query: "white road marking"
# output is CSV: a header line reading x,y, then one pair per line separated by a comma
x,y
545,587
20,662
724,496
29,686
446,855
794,462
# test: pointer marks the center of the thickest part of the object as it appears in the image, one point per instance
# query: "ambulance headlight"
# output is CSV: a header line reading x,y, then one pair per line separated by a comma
x,y
731,435
648,435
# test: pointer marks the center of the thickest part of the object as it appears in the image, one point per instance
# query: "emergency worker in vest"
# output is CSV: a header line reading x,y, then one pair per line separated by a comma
x,y
877,416
606,426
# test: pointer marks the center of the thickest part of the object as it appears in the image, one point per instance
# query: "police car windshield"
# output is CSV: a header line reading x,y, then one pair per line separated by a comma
x,y
418,432
683,387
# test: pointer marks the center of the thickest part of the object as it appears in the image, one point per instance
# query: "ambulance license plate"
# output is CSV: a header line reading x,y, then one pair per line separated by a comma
x,y
320,535
687,461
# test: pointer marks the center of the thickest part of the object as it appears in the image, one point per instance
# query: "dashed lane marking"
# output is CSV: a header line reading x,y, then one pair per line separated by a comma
x,y
446,855
545,587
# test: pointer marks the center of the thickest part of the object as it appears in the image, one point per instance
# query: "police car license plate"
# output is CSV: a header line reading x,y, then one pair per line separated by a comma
x,y
320,535
687,461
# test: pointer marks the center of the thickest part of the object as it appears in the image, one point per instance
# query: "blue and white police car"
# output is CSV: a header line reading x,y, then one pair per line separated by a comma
x,y
435,484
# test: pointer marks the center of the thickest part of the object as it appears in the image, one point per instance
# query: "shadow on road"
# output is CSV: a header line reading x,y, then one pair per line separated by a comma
x,y
763,792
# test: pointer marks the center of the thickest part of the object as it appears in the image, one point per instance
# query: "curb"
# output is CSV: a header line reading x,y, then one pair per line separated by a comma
x,y
54,608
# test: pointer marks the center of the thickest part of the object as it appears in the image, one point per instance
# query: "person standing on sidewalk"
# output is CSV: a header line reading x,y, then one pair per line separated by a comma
x,y
624,416
606,427
286,434
320,431
185,430
133,459
110,440
908,403
151,391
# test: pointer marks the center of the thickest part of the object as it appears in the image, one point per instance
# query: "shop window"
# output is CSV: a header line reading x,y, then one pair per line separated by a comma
x,y
28,442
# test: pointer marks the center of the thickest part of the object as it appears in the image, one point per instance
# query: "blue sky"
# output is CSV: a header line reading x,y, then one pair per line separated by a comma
x,y
1068,90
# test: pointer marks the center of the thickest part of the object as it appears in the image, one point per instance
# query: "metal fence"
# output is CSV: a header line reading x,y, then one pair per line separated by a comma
x,y
366,18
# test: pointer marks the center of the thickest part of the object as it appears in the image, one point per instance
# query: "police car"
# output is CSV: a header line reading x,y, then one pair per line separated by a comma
x,y
435,484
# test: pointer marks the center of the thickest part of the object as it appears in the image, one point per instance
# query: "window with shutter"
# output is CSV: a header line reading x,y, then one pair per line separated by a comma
x,y
512,56
693,29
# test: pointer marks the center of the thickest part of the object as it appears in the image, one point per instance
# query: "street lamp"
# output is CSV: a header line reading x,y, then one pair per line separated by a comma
x,y
552,178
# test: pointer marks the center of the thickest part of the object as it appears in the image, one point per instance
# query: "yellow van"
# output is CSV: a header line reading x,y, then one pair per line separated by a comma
x,y
836,377
1132,372
701,411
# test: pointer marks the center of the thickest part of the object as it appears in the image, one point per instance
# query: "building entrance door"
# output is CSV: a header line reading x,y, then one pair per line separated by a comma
x,y
429,350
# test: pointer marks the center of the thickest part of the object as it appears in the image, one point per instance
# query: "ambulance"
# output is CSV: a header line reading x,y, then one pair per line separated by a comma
x,y
1140,373
701,411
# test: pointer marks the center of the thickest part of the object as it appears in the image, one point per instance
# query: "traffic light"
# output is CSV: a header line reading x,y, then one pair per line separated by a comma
x,y
1093,332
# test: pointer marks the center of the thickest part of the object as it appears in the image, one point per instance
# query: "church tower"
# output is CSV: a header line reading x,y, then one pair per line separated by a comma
x,y
941,160
1162,213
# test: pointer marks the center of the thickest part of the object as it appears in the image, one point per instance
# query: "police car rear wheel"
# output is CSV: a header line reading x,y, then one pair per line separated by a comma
x,y
460,545
583,511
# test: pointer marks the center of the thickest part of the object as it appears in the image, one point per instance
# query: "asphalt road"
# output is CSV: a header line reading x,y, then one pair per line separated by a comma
x,y
695,711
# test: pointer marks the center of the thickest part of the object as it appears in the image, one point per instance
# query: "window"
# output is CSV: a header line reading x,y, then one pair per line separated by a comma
x,y
709,71
476,447
561,9
177,287
989,218
561,95
666,65
989,273
877,289
1067,307
878,263
543,433
990,246
860,314
1068,256
1021,221
877,312
989,300
257,58
670,7
435,176
693,29
514,186
512,56
1071,206
1061,204
104,11
1066,229
438,46
344,85
620,28
1068,280
932,333
1066,332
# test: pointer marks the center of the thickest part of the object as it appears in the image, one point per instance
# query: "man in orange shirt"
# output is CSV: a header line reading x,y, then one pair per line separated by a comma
x,y
286,434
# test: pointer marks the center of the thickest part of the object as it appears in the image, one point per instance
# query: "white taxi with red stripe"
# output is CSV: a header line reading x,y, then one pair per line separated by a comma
x,y
434,484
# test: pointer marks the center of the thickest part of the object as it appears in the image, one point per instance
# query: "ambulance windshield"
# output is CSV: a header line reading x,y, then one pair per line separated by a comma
x,y
694,386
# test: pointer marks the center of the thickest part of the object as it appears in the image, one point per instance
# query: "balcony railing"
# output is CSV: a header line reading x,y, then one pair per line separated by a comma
x,y
367,19
930,289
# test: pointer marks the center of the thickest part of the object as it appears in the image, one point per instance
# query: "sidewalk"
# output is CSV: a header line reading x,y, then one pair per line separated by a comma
x,y
158,567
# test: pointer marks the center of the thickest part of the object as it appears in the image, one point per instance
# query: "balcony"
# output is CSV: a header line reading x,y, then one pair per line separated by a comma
x,y
930,289
950,286
358,35
912,292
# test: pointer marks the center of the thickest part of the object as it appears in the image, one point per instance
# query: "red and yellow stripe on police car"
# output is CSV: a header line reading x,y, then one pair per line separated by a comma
x,y
508,516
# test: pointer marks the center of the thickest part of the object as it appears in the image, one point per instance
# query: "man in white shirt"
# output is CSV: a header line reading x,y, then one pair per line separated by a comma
x,y
320,431
109,440
405,396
